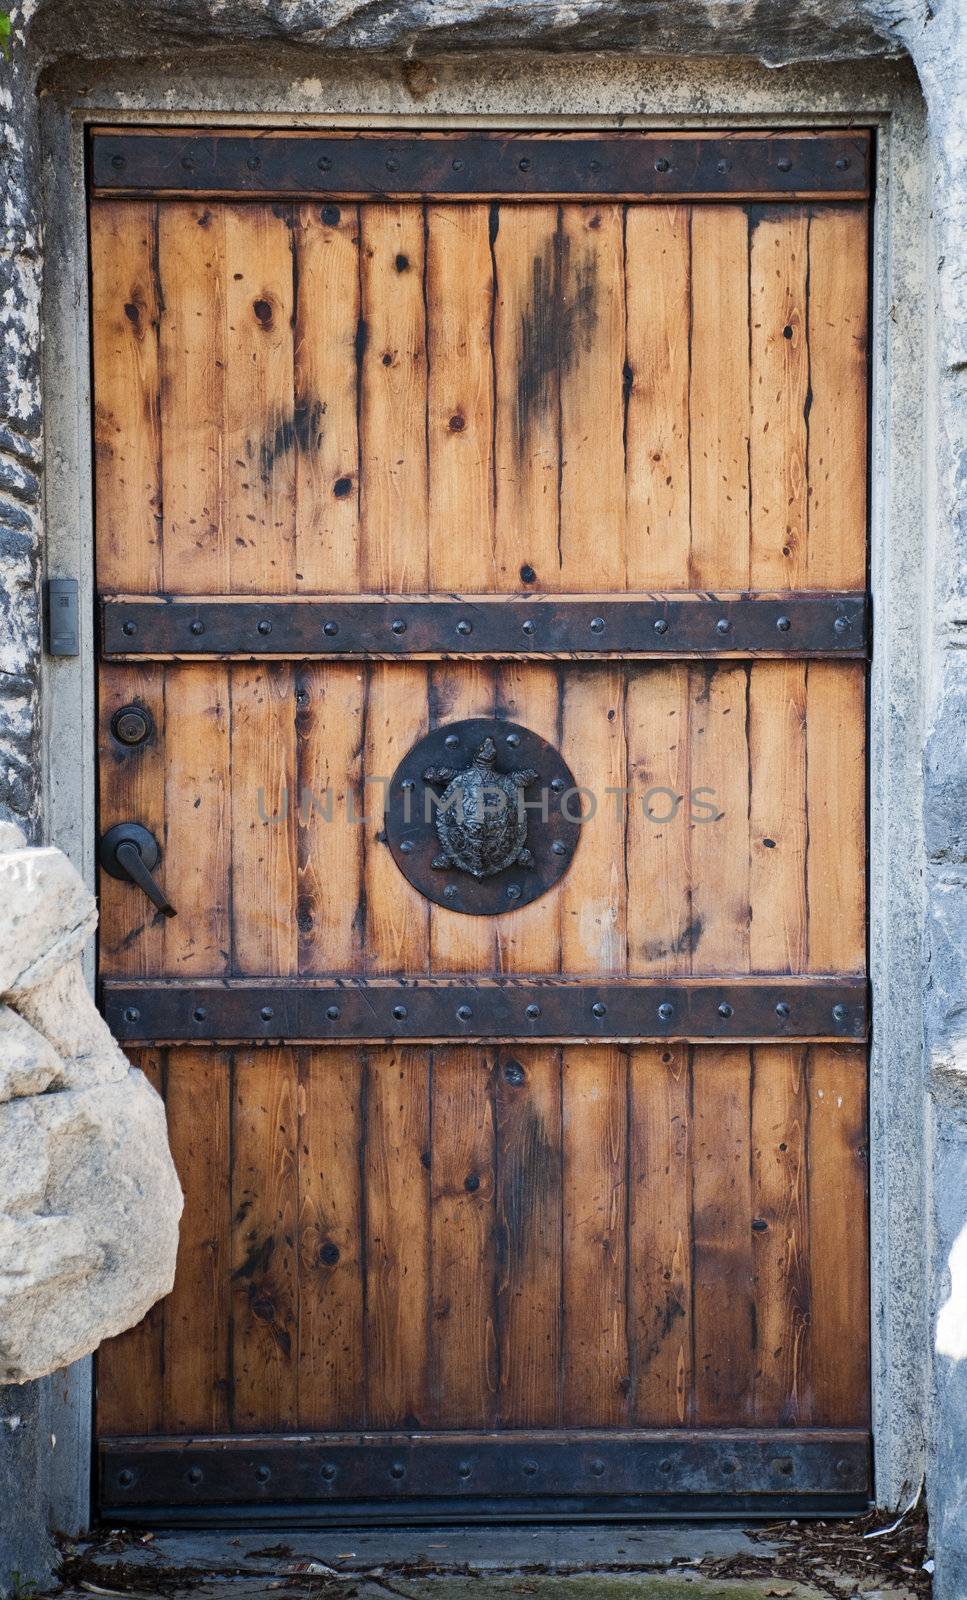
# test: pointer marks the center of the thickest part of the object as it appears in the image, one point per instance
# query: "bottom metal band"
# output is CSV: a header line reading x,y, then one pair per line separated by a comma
x,y
629,1467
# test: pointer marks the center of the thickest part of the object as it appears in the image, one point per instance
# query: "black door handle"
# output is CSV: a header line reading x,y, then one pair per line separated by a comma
x,y
129,852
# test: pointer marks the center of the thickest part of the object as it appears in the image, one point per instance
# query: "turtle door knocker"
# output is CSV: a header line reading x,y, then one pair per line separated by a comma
x,y
482,816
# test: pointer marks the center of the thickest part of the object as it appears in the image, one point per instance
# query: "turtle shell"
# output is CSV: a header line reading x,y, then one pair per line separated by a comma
x,y
479,833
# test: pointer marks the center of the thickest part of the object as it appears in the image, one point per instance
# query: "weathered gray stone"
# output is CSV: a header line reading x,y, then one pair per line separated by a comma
x,y
29,1064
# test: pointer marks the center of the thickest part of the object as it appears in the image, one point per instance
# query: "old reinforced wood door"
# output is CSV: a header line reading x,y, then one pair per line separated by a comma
x,y
523,1151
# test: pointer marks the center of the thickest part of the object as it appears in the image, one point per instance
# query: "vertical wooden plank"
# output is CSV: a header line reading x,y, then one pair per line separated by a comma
x,y
529,940
127,418
780,1235
193,347
265,1203
330,698
780,397
260,436
836,802
397,915
264,882
131,784
659,1236
459,943
463,1360
597,1376
591,331
657,376
594,890
838,313
196,864
326,394
660,928
719,398
719,818
529,1236
393,398
777,816
460,406
839,1237
721,1231
129,1369
526,359
196,1372
332,1346
397,1180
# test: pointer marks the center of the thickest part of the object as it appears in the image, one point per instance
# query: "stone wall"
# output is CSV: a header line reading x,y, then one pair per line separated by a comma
x,y
53,41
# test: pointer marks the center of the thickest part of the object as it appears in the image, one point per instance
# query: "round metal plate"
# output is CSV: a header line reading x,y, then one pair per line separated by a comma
x,y
552,805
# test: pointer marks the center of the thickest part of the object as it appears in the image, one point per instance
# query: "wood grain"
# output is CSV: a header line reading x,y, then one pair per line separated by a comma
x,y
778,823
780,1235
198,780
780,398
660,1235
661,933
839,1238
836,800
719,851
329,724
264,819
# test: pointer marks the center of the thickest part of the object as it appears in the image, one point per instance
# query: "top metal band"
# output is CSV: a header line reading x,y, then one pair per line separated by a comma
x,y
476,165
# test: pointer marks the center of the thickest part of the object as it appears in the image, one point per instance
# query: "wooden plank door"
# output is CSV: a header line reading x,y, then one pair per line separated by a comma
x,y
555,1206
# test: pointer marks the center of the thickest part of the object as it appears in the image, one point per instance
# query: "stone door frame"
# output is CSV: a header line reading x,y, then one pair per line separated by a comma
x,y
314,90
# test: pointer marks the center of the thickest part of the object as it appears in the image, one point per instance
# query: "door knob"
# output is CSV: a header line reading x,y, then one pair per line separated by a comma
x,y
130,852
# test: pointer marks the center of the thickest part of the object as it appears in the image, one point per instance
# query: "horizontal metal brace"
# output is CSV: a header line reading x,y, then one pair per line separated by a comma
x,y
182,1472
653,626
330,1010
470,164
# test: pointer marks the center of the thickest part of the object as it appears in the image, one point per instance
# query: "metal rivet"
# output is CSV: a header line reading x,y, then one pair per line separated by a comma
x,y
266,1013
523,164
665,1012
392,164
118,163
332,1013
194,1475
529,1468
450,892
559,847
263,1473
558,785
398,625
464,1013
328,1471
664,1466
451,741
722,166
514,1072
725,1010
597,624
464,627
253,163
399,1012
597,1467
132,1014
723,625
324,164
406,847
783,1466
125,1478
513,891
729,1467
783,624
513,739
661,165
599,1009
188,164
839,1013
841,624
661,626
842,162
128,628
397,1470
527,626
465,1468
197,627
330,629
265,626
784,164
533,1011
199,1013
457,165
842,1468
782,1009
407,783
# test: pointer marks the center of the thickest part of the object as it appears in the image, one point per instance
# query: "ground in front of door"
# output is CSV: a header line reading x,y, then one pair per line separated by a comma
x,y
805,1561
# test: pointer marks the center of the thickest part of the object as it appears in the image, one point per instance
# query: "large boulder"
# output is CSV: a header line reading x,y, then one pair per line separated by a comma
x,y
89,1197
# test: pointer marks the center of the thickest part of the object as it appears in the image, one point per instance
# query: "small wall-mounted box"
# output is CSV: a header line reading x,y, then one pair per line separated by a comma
x,y
63,620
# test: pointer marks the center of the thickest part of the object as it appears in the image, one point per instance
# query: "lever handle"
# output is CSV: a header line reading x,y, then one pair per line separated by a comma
x,y
129,852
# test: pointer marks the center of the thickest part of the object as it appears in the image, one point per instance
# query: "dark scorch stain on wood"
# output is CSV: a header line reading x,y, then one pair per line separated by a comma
x,y
530,1171
556,327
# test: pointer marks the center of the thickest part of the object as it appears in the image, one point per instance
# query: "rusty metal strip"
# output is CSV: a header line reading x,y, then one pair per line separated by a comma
x,y
465,165
601,1467
675,625
323,1011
